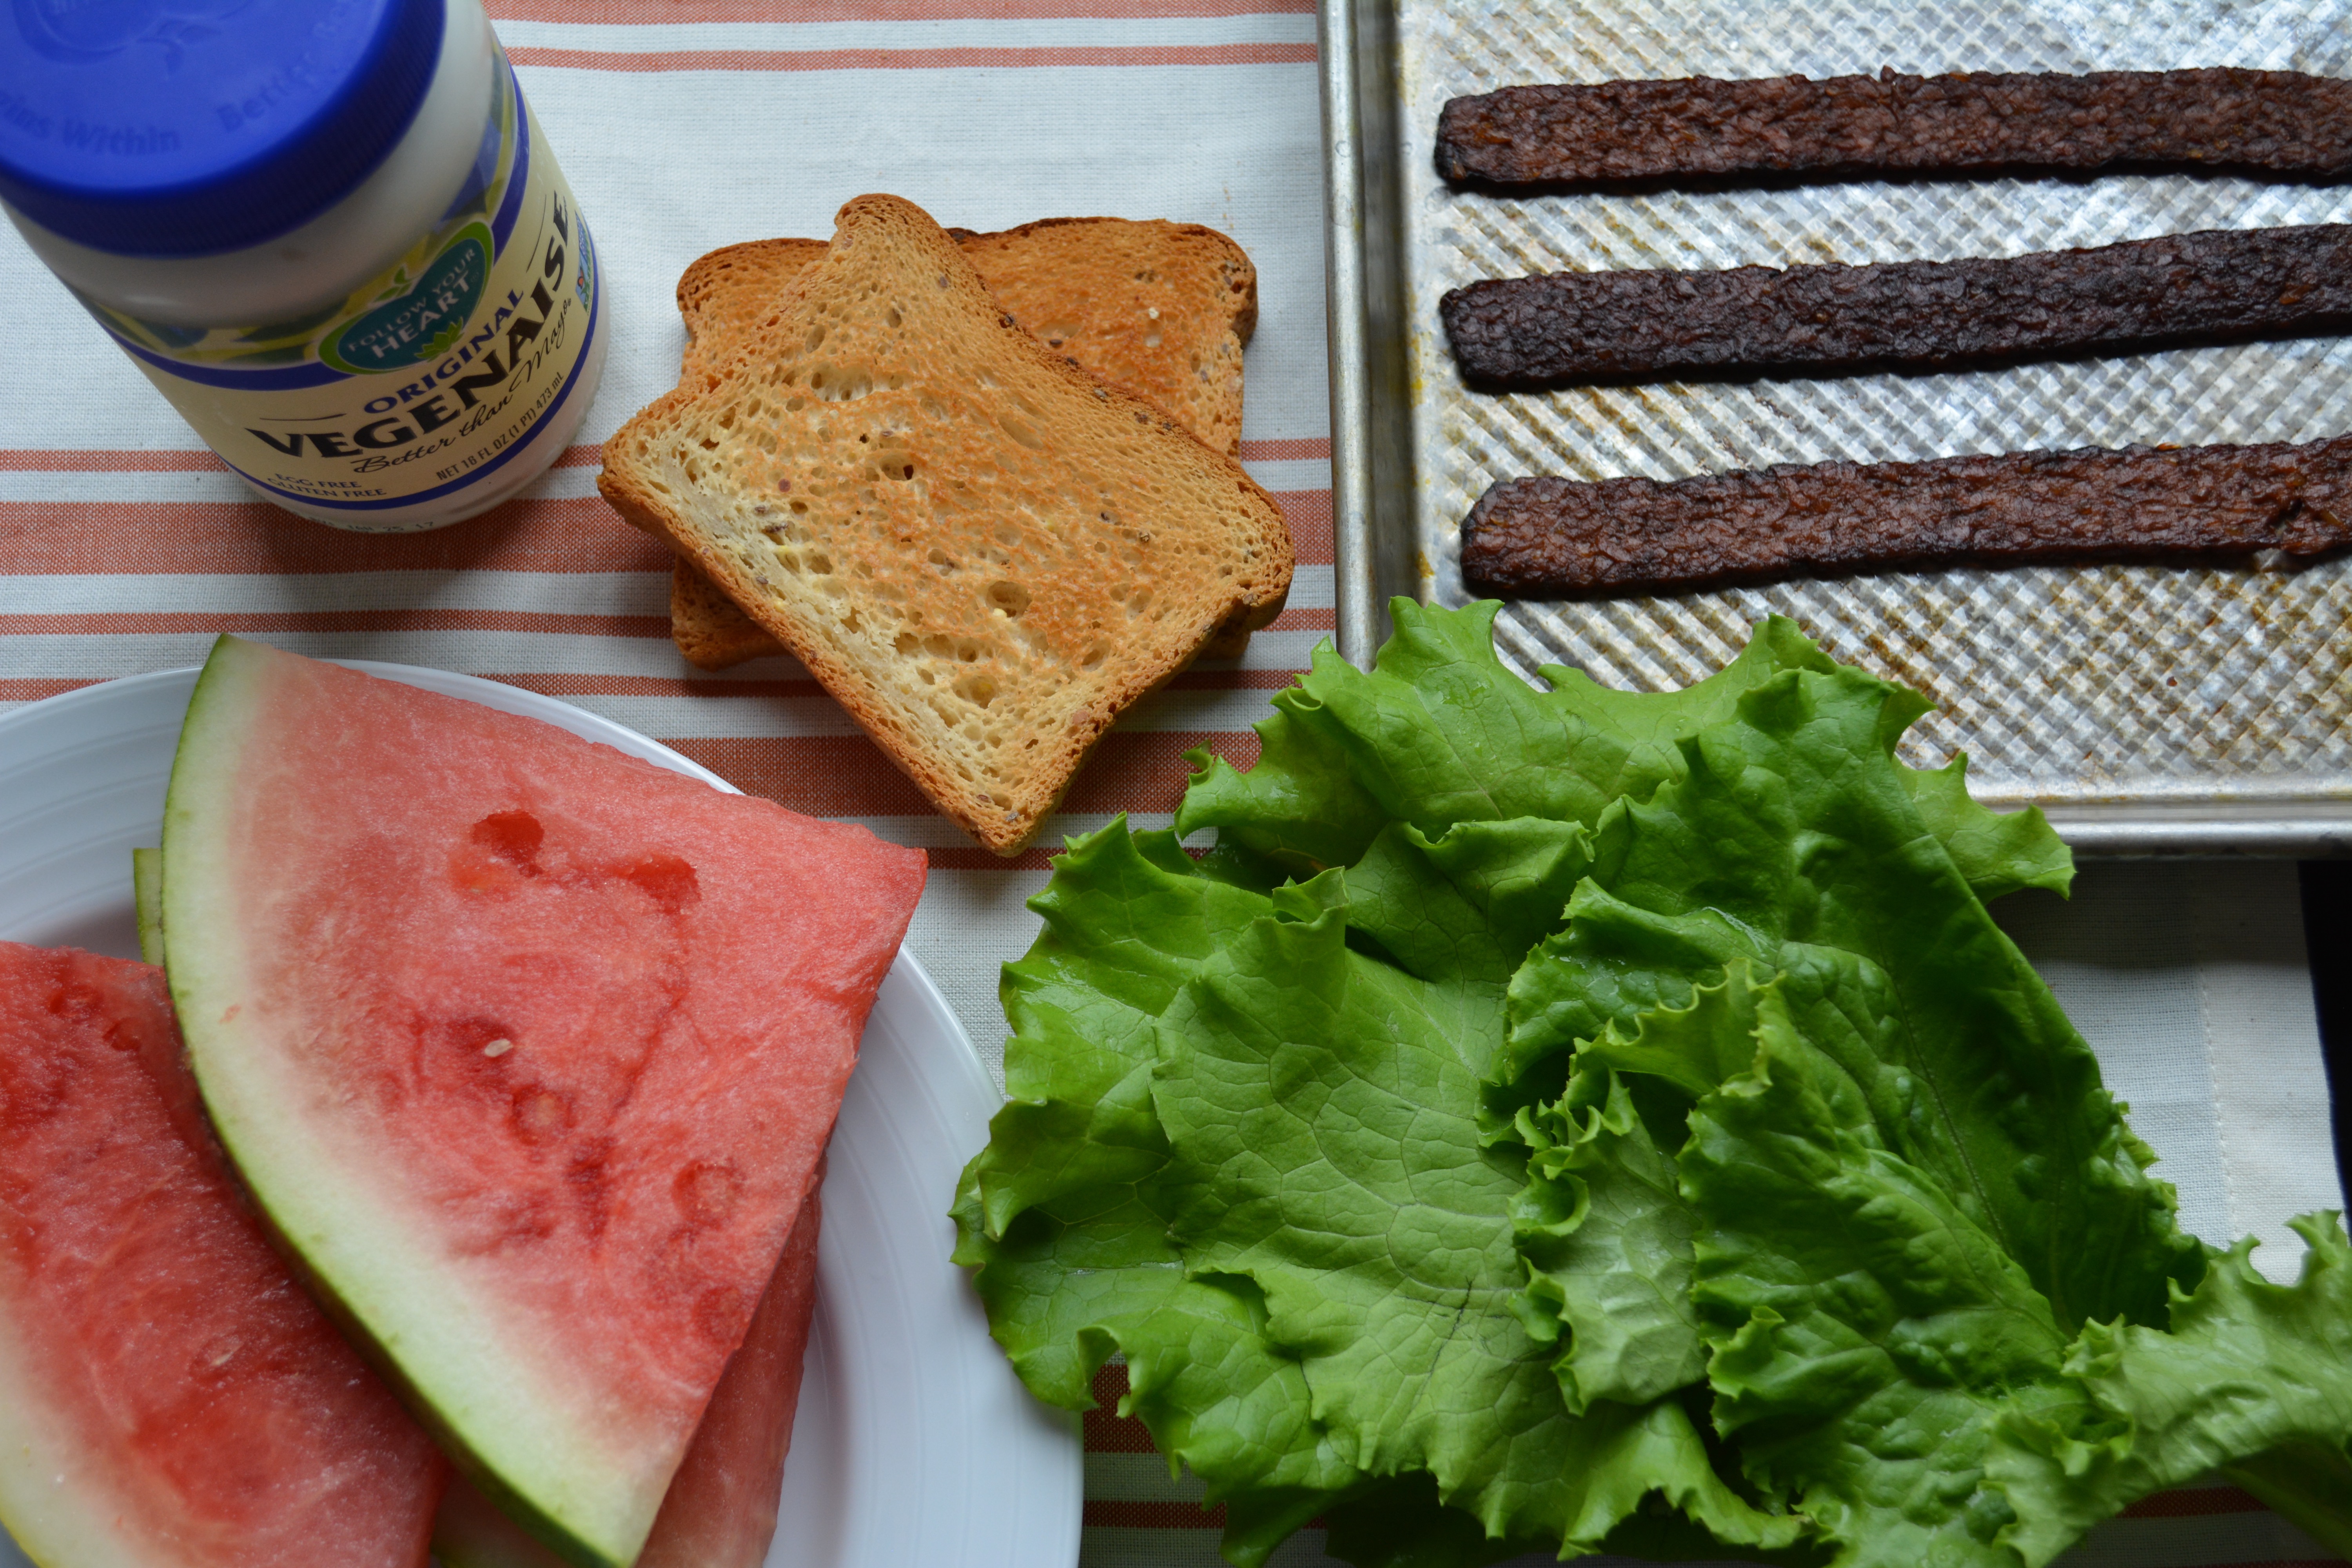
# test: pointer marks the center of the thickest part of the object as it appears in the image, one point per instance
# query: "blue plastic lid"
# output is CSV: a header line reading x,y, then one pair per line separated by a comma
x,y
188,127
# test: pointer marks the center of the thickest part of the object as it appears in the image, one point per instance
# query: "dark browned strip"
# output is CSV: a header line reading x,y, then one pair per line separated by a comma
x,y
2280,124
1552,538
2217,286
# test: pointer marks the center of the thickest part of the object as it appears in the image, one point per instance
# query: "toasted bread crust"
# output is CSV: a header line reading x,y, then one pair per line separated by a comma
x,y
1089,286
710,628
987,554
730,296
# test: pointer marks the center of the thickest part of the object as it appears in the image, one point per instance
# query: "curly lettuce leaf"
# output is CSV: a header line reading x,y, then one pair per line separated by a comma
x,y
1064,1217
1065,1293
1867,1338
1439,731
1998,852
2251,1379
1793,842
1325,1120
1610,1269
1470,904
1062,1214
1607,1237
1260,1066
1460,912
1457,1333
1880,1355
1127,918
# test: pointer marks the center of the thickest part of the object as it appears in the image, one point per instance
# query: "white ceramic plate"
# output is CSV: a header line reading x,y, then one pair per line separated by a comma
x,y
915,1443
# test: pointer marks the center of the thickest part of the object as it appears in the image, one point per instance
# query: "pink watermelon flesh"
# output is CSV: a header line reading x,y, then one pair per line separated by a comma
x,y
571,1029
721,1509
169,1394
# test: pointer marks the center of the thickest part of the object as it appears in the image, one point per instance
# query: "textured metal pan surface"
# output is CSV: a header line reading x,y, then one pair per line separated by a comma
x,y
2154,710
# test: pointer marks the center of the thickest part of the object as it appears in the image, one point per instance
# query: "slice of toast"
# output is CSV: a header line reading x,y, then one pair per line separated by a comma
x,y
980,551
1160,309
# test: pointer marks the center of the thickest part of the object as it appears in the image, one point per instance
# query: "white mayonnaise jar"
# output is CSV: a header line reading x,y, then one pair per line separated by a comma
x,y
330,231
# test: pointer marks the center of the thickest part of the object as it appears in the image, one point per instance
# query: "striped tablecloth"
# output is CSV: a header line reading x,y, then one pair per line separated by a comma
x,y
687,125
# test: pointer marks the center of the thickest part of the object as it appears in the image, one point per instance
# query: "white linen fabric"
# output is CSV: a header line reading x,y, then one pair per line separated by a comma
x,y
2190,981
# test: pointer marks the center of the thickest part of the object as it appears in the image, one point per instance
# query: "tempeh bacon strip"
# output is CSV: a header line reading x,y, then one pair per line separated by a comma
x,y
1555,538
2218,285
2278,124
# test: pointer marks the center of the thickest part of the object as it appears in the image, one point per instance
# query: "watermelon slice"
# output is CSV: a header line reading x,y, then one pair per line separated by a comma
x,y
169,1397
528,1050
722,1508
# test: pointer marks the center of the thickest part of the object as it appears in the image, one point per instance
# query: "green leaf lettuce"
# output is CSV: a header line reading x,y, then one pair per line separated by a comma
x,y
1596,1121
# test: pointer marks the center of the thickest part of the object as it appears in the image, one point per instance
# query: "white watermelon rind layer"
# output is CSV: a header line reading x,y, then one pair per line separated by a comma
x,y
527,1446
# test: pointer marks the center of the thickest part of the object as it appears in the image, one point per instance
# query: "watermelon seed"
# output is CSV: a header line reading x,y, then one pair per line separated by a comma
x,y
539,1115
498,1048
706,1193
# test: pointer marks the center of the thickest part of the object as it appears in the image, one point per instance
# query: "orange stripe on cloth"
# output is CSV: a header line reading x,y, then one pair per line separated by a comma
x,y
971,858
104,537
33,690
622,13
1232,680
561,685
212,623
973,58
1309,513
847,776
1315,449
102,460
1103,1431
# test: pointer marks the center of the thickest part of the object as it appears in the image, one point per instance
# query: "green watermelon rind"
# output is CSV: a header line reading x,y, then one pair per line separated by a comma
x,y
518,1443
147,884
147,890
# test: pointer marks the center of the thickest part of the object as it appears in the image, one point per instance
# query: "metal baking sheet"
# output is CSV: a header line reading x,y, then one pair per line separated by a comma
x,y
2149,710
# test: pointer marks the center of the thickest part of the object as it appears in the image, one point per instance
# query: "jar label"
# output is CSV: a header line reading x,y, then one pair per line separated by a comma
x,y
381,411
424,324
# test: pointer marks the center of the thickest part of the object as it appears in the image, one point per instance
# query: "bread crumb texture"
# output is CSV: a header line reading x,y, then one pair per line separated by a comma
x,y
1160,309
982,552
